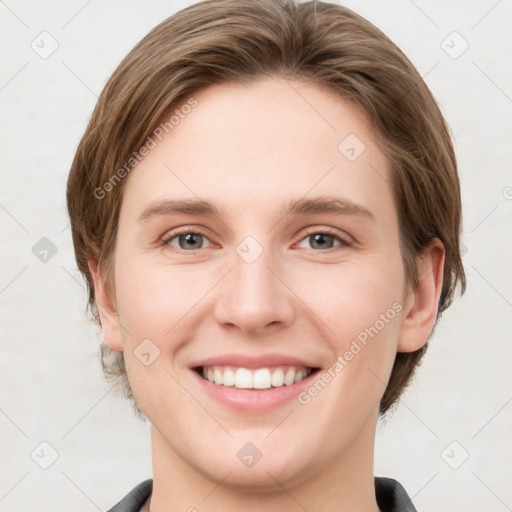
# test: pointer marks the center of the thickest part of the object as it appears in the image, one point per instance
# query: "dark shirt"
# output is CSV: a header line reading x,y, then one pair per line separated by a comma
x,y
391,497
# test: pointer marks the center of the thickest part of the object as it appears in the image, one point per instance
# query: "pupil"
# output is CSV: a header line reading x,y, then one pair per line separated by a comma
x,y
320,239
190,238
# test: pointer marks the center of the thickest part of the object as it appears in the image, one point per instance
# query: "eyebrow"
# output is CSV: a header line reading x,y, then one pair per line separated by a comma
x,y
302,206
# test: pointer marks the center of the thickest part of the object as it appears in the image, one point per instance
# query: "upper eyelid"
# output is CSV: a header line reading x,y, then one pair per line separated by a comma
x,y
330,231
171,235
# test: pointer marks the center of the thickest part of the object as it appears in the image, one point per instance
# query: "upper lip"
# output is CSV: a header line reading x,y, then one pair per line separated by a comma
x,y
246,361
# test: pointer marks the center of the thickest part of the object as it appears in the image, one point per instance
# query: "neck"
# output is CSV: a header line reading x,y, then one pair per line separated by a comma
x,y
345,484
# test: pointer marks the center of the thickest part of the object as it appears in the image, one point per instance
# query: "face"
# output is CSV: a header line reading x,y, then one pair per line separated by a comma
x,y
259,284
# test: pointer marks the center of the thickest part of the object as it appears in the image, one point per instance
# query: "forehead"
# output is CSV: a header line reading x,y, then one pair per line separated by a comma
x,y
259,146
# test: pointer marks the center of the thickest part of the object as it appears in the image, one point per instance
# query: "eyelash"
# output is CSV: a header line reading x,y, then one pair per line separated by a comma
x,y
326,231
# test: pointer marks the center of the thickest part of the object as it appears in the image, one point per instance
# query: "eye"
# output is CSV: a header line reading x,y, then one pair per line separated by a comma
x,y
324,239
186,240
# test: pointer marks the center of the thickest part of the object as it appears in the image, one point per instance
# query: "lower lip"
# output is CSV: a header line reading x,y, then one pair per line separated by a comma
x,y
254,399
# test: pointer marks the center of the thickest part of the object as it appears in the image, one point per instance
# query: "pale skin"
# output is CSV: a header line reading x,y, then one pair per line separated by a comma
x,y
249,150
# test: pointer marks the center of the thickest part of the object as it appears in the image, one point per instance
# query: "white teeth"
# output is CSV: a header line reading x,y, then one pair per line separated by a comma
x,y
217,376
289,378
300,375
243,378
229,378
278,378
261,378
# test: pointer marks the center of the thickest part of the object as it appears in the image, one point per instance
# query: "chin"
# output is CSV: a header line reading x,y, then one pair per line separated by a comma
x,y
260,466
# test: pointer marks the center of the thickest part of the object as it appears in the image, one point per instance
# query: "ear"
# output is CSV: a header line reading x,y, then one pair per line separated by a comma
x,y
421,303
110,326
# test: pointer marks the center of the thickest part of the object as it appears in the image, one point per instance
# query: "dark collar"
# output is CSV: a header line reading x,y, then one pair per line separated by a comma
x,y
391,497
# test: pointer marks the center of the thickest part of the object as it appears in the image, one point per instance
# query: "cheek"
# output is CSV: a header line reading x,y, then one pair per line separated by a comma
x,y
352,299
362,309
153,297
156,304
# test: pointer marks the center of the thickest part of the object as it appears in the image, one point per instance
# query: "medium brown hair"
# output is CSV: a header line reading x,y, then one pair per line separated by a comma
x,y
240,41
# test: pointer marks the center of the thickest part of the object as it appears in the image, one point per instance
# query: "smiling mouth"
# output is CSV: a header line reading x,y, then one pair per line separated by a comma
x,y
254,378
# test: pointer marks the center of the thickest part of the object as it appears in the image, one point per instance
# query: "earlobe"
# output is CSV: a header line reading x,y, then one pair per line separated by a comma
x,y
422,302
111,329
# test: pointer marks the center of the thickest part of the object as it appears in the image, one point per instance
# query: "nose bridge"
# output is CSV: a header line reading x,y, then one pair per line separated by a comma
x,y
251,268
253,296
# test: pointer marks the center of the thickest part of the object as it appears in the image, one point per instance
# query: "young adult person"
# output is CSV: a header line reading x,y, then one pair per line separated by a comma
x,y
266,208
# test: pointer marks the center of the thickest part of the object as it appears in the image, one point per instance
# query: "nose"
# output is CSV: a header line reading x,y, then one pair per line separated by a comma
x,y
253,296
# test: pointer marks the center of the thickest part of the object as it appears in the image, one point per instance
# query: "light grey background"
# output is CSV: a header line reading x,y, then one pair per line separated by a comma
x,y
52,388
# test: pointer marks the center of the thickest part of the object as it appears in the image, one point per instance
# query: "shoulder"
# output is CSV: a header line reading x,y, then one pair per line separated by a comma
x,y
134,500
391,496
